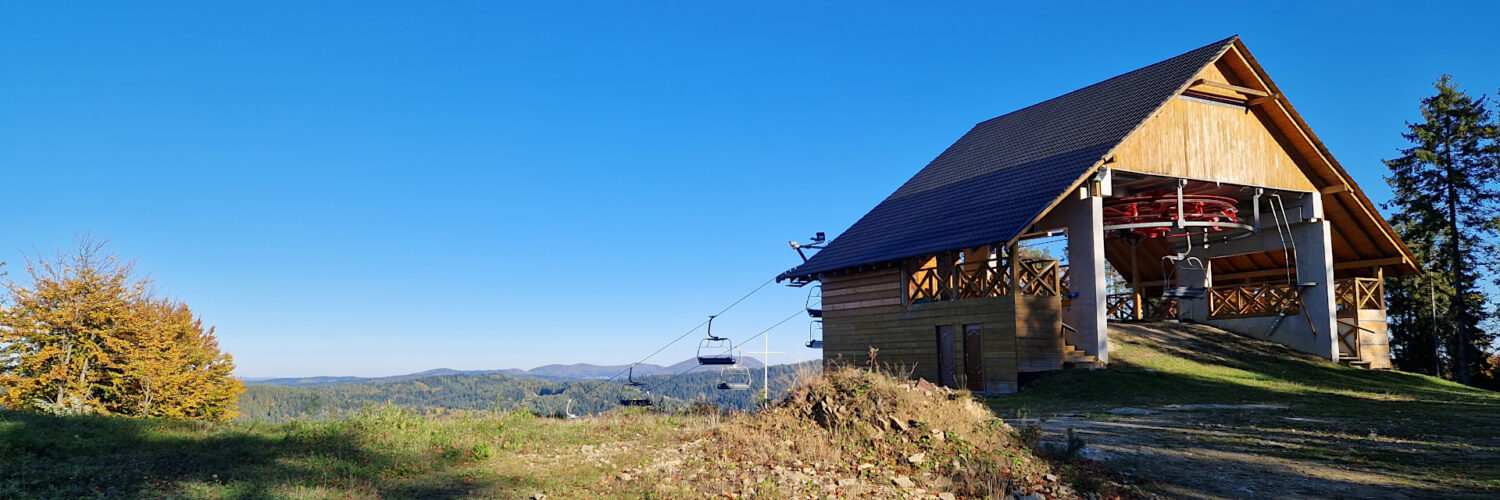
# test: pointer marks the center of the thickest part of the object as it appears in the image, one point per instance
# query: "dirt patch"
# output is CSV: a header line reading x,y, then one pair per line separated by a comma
x,y
1224,451
852,433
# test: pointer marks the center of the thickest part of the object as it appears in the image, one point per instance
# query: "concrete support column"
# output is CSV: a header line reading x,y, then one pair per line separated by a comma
x,y
1084,214
1315,265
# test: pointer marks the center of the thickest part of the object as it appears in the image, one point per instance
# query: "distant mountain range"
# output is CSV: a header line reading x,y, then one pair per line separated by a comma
x,y
576,371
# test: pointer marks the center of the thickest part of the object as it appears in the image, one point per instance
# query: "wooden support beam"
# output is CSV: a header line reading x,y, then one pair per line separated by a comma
x,y
1231,87
1388,261
1334,189
1260,100
1339,266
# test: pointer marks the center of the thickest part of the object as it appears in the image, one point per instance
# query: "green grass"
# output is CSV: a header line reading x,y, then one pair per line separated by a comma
x,y
379,453
1419,427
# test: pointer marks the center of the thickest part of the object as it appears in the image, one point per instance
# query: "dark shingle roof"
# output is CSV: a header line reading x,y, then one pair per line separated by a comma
x,y
1000,175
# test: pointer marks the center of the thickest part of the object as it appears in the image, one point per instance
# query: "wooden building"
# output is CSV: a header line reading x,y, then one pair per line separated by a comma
x,y
1193,179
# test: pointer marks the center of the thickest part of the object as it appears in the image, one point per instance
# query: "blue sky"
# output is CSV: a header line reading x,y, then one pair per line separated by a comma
x,y
369,188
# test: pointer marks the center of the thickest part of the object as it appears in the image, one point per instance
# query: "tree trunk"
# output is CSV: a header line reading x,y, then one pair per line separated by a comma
x,y
1455,272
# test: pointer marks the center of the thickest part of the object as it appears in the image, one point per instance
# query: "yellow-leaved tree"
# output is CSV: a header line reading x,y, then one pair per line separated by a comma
x,y
86,336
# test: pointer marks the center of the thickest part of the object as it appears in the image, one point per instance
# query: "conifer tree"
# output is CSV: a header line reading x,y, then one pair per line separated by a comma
x,y
1445,192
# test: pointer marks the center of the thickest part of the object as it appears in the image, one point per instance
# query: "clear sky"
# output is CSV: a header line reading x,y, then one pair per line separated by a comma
x,y
368,188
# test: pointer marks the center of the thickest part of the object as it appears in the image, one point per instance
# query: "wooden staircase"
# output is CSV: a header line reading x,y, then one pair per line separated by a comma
x,y
1073,357
1345,359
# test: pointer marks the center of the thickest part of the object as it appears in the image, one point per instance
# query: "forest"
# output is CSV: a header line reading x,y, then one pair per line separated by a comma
x,y
437,395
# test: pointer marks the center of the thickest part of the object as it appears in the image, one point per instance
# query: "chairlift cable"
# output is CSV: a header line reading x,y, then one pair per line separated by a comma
x,y
762,332
757,289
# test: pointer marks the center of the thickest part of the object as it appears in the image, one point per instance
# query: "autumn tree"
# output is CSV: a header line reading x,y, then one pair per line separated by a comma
x,y
87,336
1446,189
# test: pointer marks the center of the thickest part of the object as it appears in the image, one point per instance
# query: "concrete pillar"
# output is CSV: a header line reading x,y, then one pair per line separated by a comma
x,y
1084,215
1315,265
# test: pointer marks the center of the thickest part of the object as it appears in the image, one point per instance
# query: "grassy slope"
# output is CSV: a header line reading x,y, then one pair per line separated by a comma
x,y
387,453
845,433
1423,428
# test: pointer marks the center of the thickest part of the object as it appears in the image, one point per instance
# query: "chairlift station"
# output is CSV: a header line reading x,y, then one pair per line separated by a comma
x,y
1193,178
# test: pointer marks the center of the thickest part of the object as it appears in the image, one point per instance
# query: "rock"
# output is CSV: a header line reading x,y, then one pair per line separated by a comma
x,y
1033,496
938,435
946,496
848,481
539,496
1131,411
867,465
625,476
1051,478
898,424
923,384
904,482
916,459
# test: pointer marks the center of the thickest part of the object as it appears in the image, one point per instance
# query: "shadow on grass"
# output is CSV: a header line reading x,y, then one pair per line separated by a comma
x,y
71,457
1435,436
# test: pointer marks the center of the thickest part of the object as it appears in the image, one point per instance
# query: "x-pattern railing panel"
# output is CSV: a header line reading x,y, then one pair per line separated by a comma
x,y
1262,299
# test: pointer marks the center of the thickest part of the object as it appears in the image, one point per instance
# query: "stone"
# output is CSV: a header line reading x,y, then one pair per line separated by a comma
x,y
938,435
916,459
903,482
1051,478
866,465
1033,496
539,496
625,476
848,481
1130,411
946,496
898,424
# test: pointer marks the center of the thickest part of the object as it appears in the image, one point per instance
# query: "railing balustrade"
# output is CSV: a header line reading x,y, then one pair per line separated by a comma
x,y
983,278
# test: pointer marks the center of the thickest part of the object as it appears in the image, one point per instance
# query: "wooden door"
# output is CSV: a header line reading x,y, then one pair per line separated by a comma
x,y
973,358
946,370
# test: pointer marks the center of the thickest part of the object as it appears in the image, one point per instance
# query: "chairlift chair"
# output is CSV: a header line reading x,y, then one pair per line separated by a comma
x,y
815,335
639,401
734,378
815,301
715,350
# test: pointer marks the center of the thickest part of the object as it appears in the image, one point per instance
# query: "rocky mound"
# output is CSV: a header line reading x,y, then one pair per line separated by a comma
x,y
855,433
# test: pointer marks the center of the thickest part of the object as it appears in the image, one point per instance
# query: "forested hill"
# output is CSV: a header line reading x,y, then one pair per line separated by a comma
x,y
495,391
576,371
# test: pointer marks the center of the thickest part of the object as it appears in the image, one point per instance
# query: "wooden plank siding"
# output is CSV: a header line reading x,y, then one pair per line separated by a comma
x,y
864,310
1199,140
907,339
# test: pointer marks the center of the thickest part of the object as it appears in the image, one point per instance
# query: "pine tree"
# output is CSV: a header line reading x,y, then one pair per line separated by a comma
x,y
1445,190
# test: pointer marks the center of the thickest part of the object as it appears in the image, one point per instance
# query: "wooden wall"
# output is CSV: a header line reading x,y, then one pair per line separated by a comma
x,y
863,310
1199,140
1039,339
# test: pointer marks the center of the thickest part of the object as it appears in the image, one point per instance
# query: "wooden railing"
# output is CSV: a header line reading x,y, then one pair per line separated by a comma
x,y
1247,301
1353,294
983,278
1120,306
1159,308
986,278
1038,277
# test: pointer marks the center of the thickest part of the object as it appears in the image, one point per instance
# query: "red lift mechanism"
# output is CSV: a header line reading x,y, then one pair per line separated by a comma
x,y
1155,214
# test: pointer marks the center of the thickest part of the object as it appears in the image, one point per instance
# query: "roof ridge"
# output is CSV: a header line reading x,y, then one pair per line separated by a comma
x,y
1221,43
985,187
